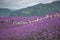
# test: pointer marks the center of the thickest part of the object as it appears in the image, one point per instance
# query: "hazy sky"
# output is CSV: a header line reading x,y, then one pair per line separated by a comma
x,y
18,4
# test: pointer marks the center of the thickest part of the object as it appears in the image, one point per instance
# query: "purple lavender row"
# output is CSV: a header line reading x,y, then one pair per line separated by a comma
x,y
48,29
25,20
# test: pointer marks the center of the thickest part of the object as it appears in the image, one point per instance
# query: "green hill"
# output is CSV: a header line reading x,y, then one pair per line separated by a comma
x,y
36,10
39,9
5,12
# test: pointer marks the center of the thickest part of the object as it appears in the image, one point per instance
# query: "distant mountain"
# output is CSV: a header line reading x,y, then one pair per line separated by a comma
x,y
5,12
38,9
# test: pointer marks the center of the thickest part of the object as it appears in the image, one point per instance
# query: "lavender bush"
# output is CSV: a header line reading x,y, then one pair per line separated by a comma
x,y
48,29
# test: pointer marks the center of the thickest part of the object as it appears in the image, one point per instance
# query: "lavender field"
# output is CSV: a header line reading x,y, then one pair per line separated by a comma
x,y
47,29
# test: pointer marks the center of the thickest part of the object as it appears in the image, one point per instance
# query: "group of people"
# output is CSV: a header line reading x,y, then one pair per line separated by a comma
x,y
31,21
